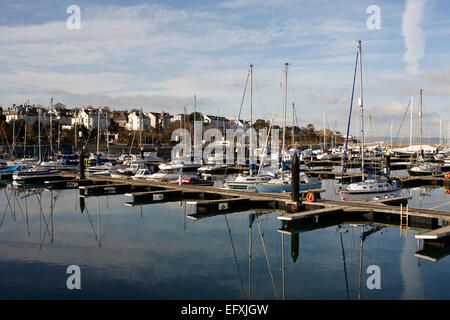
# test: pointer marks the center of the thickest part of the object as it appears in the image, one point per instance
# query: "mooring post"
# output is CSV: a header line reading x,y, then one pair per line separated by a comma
x,y
295,183
142,152
82,176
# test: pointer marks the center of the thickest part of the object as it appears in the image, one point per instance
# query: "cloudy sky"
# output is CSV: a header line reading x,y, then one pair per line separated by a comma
x,y
157,55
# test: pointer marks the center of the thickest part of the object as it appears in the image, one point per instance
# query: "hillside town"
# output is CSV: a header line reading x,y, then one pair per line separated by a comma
x,y
121,125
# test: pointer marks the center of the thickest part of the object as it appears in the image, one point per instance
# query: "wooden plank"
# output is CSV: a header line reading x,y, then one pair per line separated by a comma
x,y
101,186
435,234
317,212
218,201
154,192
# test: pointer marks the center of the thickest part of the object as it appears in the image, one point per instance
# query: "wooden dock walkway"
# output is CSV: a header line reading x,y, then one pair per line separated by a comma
x,y
215,198
434,234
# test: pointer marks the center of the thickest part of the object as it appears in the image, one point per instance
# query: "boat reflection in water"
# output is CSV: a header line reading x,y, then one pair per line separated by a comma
x,y
241,253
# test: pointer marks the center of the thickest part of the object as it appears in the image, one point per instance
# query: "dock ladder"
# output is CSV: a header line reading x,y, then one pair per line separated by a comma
x,y
404,220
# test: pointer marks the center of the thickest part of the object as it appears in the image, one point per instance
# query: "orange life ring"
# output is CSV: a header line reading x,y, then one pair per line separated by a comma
x,y
310,197
447,190
447,175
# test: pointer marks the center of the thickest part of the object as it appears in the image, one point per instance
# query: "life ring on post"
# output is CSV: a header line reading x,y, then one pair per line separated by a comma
x,y
310,197
447,190
447,175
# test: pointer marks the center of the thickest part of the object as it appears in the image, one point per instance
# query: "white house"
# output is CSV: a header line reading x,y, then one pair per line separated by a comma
x,y
154,119
27,112
138,121
89,117
177,117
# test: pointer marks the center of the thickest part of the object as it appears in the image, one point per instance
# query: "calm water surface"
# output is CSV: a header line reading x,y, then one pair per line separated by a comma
x,y
158,251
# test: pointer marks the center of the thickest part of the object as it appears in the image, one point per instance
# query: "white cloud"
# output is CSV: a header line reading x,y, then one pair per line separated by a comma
x,y
413,34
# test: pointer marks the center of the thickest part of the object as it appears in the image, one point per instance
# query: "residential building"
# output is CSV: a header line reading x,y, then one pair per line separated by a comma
x,y
137,120
89,117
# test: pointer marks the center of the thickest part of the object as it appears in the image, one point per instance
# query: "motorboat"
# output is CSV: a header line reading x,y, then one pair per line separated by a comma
x,y
126,171
35,174
425,169
374,188
213,168
246,182
167,174
185,180
142,174
284,184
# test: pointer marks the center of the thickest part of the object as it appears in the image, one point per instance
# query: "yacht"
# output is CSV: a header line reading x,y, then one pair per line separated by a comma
x,y
425,169
35,174
141,174
244,182
284,184
126,171
374,188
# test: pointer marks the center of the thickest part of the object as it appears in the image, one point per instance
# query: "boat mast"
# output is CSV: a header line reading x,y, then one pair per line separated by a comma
x,y
285,103
251,95
51,125
361,108
98,130
251,120
420,115
411,124
39,134
293,125
324,125
25,138
107,130
140,131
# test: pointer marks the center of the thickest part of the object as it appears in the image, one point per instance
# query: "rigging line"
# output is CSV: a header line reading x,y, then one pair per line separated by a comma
x,y
243,95
267,258
9,203
270,129
349,119
7,142
20,207
4,211
404,115
235,257
45,221
92,226
345,265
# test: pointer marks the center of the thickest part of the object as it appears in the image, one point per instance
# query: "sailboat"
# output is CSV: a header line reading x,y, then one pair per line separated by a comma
x,y
283,183
425,168
376,187
36,173
244,181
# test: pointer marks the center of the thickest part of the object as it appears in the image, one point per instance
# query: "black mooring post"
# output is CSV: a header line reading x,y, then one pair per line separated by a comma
x,y
82,176
295,183
142,152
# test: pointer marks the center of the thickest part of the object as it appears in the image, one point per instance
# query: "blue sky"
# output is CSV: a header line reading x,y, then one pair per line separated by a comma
x,y
157,55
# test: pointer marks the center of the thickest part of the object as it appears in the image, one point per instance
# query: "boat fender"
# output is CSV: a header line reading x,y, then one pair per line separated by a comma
x,y
310,197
